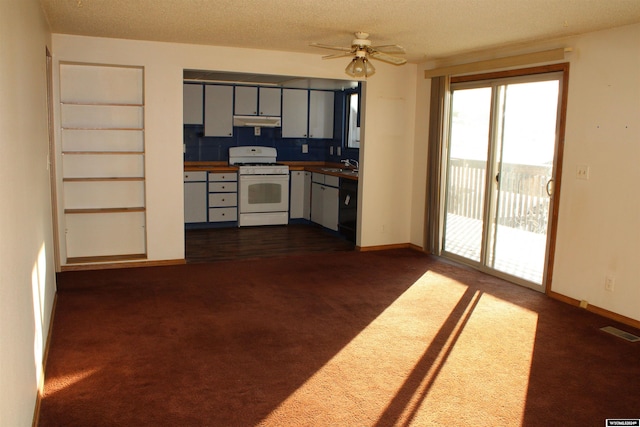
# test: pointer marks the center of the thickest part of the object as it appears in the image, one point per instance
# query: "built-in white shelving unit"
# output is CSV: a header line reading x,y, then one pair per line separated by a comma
x,y
103,174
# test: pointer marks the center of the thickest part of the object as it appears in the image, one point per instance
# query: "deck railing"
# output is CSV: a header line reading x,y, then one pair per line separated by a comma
x,y
523,201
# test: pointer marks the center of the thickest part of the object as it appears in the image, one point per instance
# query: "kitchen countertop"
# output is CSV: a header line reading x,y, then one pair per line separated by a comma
x,y
318,167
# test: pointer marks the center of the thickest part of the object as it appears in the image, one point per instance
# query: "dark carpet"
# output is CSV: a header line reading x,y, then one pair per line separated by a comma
x,y
338,339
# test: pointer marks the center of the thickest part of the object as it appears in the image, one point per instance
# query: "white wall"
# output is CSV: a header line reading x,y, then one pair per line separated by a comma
x,y
387,157
599,222
599,219
389,123
27,278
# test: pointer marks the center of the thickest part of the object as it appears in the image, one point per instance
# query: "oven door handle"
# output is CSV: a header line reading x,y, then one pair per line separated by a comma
x,y
264,178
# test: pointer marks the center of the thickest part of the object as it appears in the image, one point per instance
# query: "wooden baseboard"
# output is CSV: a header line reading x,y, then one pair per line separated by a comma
x,y
563,298
106,258
597,310
387,247
124,264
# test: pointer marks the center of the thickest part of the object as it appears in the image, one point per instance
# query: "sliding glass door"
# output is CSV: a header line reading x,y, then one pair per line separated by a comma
x,y
500,170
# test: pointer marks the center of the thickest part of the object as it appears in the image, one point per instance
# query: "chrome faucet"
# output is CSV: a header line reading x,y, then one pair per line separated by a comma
x,y
351,163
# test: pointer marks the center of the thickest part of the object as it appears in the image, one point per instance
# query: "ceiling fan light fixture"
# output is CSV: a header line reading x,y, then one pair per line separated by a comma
x,y
360,67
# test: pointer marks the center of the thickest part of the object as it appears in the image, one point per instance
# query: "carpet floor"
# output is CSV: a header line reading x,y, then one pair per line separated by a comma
x,y
339,339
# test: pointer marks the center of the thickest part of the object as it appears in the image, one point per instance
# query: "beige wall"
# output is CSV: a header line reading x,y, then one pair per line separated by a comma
x,y
599,219
599,227
388,141
27,279
599,224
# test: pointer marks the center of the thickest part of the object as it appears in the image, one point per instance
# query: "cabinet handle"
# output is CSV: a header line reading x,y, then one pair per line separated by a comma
x,y
223,200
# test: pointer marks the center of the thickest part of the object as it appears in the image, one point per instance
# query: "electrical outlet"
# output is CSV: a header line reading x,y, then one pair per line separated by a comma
x,y
339,151
305,148
582,172
331,150
256,130
609,283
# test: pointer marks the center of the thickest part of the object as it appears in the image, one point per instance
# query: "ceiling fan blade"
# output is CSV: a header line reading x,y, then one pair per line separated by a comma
x,y
389,48
327,46
387,58
337,55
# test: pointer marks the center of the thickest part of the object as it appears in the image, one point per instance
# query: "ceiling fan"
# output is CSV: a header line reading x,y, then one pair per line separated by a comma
x,y
361,50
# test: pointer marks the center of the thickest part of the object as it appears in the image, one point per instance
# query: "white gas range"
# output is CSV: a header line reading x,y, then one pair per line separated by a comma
x,y
263,193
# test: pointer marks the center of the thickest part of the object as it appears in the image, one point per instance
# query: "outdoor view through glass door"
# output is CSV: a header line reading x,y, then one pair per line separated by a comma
x,y
502,144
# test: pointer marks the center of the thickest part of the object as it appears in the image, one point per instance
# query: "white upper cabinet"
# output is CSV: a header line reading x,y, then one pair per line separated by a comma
x,y
320,114
295,109
270,101
246,101
218,110
192,113
254,101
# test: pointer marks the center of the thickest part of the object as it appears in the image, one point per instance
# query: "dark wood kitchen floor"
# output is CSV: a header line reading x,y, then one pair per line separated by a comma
x,y
216,244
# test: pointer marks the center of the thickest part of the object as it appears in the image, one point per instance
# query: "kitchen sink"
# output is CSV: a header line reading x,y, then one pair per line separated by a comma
x,y
350,172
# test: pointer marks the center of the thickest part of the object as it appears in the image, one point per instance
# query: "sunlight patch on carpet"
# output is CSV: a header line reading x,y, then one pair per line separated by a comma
x,y
439,342
55,385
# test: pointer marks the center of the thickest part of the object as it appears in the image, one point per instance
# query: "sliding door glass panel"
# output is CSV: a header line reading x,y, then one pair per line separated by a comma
x,y
466,172
525,151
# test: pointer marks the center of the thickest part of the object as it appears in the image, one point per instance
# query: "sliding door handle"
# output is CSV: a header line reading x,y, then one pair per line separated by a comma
x,y
550,187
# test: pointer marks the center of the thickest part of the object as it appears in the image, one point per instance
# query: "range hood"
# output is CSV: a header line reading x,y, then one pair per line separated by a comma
x,y
257,121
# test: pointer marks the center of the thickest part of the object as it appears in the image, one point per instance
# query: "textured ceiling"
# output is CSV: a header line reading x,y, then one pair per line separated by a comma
x,y
427,29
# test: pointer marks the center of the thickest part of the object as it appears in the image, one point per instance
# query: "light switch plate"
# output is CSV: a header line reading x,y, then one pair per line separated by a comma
x,y
582,172
305,148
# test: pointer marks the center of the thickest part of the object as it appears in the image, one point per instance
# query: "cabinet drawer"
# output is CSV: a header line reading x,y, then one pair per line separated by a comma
x,y
223,214
195,176
222,187
317,177
222,199
331,180
227,176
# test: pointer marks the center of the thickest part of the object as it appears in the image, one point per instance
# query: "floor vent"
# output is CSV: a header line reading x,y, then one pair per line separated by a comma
x,y
622,334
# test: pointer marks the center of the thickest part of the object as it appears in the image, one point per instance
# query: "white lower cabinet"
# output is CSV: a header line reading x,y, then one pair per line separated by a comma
x,y
195,197
325,200
300,195
223,196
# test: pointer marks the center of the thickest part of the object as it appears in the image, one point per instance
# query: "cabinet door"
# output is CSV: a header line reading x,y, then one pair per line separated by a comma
x,y
195,202
296,195
320,114
295,109
218,109
317,204
246,101
330,208
192,104
270,101
324,205
306,209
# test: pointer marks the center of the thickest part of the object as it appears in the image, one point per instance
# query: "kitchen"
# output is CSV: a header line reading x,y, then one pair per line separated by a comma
x,y
269,150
